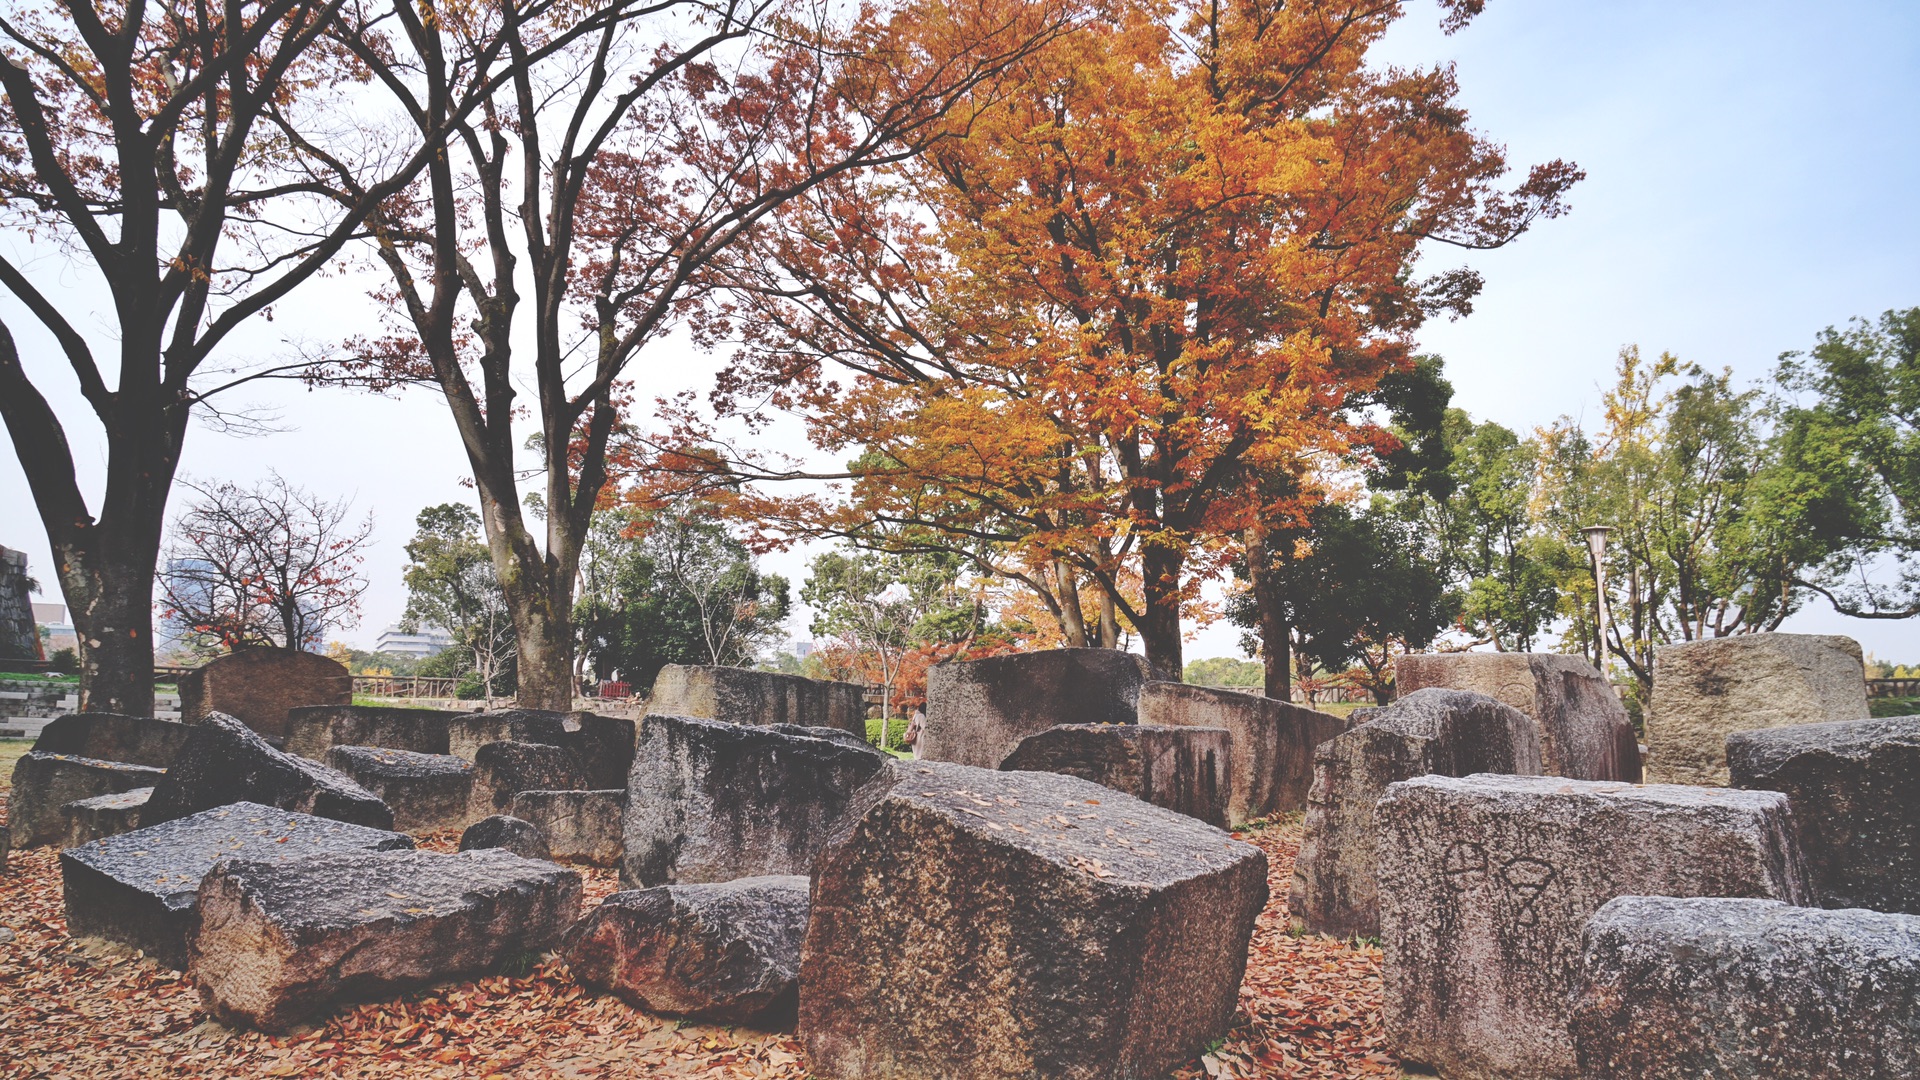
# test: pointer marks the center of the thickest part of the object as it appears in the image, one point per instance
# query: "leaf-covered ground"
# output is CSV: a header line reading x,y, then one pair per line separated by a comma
x,y
1310,1008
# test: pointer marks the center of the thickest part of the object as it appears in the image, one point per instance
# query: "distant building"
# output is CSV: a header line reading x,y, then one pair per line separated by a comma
x,y
802,649
56,632
419,645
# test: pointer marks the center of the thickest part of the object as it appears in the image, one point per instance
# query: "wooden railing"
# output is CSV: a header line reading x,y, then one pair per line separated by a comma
x,y
404,686
1893,687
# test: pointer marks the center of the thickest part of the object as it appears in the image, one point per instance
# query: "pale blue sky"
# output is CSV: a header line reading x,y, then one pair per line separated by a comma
x,y
1752,168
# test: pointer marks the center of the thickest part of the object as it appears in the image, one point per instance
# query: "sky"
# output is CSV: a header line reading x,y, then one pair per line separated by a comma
x,y
1751,178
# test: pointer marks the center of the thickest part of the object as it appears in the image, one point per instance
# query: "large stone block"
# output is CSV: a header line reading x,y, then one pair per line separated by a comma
x,y
279,941
1273,742
758,698
424,791
725,951
1486,882
44,783
312,730
1584,731
1704,691
224,762
603,745
467,733
523,838
1185,769
974,925
1674,989
259,686
136,740
138,888
979,710
103,816
579,826
1855,787
1335,886
502,770
712,801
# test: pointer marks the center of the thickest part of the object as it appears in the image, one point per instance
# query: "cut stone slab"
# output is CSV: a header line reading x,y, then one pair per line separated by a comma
x,y
972,924
758,698
136,740
1184,769
224,762
138,888
579,826
425,791
467,733
312,730
259,687
1273,742
504,769
523,838
844,738
1487,881
1584,731
280,941
1673,989
602,744
726,951
712,801
45,783
103,816
979,710
1335,889
1704,691
1855,787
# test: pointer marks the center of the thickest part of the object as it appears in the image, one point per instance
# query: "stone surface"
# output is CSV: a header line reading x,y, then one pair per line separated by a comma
x,y
1855,787
523,838
136,740
1273,742
602,746
1673,989
259,686
44,783
224,761
1184,769
579,826
979,710
844,738
971,924
1704,691
758,698
1486,882
279,941
726,951
712,801
312,730
1335,887
1584,731
103,816
467,733
502,770
138,888
424,791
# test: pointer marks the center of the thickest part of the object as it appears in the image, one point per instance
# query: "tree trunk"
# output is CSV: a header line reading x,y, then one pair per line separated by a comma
x,y
1160,566
545,646
1276,637
114,622
1073,621
1109,622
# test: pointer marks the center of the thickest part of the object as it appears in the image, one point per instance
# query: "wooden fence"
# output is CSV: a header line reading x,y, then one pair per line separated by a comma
x,y
404,686
1893,687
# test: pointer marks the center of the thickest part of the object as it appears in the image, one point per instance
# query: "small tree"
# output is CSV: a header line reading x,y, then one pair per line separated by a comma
x,y
267,565
451,585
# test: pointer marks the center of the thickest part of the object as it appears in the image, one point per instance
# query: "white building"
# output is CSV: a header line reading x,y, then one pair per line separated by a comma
x,y
420,645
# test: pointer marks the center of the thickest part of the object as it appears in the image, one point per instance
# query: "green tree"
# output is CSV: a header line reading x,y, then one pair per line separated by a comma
x,y
451,585
1225,671
884,605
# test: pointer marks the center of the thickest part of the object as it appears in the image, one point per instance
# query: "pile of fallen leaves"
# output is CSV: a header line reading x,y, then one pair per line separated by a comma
x,y
1310,1008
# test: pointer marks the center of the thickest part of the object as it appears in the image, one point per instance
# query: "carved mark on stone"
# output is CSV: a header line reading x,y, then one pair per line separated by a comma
x,y
1466,862
1528,878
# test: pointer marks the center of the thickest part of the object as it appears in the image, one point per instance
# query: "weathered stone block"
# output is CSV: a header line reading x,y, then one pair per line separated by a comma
x,y
424,791
136,740
1335,888
758,698
712,801
523,838
602,744
138,888
1185,769
259,686
467,733
312,730
979,710
1486,882
224,762
1855,787
1704,691
1584,731
579,826
44,783
279,941
504,769
972,924
1273,742
1674,989
726,951
103,816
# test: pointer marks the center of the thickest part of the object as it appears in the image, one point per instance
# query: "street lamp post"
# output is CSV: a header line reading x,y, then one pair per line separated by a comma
x,y
1597,545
